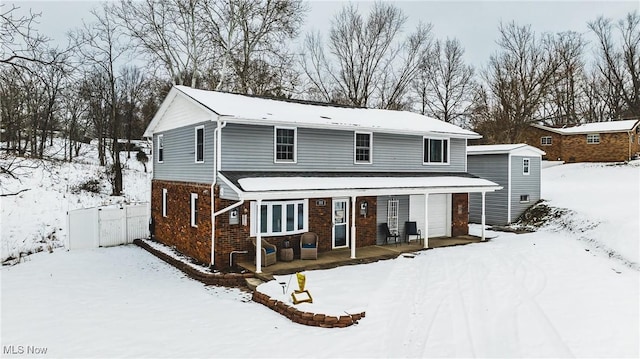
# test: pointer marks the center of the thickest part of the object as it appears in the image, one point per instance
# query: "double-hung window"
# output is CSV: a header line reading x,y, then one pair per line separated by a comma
x,y
194,210
160,148
546,140
593,138
285,144
362,147
199,144
526,166
280,217
436,151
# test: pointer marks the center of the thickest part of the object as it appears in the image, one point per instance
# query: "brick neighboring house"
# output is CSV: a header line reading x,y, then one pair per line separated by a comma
x,y
613,141
230,168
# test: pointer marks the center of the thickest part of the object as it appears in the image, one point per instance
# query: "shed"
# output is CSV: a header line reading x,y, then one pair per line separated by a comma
x,y
515,167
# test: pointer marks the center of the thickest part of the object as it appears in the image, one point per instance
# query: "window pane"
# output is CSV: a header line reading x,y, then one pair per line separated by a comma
x,y
300,216
200,144
276,220
425,157
291,217
445,153
285,144
263,219
435,150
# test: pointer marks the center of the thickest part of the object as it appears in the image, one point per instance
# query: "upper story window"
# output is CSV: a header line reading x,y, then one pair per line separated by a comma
x,y
285,144
199,143
593,138
363,145
526,166
546,140
280,217
160,148
436,151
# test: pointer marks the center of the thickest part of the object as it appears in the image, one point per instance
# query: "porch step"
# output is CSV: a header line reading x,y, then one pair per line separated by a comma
x,y
253,283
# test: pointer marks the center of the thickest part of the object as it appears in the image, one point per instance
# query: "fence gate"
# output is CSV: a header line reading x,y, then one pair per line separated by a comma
x,y
107,226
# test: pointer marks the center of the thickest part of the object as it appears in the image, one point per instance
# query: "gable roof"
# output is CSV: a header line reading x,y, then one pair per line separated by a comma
x,y
245,109
595,127
518,149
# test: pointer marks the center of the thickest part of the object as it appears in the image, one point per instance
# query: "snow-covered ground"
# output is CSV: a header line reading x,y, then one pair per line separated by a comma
x,y
35,219
553,293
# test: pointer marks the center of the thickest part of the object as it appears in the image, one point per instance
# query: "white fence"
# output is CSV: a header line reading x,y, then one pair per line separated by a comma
x,y
107,226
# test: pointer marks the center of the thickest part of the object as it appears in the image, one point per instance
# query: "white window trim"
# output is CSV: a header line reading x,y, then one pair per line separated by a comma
x,y
195,144
164,202
160,145
593,137
448,151
526,164
527,200
194,198
255,212
355,136
275,144
549,142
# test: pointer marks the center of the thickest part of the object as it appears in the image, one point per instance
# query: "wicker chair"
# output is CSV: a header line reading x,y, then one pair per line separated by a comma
x,y
309,246
268,252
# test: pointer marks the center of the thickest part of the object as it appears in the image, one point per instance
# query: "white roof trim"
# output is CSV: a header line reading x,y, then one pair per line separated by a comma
x,y
519,149
261,111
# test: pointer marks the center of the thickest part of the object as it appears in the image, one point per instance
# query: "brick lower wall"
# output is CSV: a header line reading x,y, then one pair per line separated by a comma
x,y
175,230
459,214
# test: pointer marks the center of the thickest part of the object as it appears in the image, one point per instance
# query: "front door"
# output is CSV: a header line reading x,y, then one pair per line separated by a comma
x,y
340,222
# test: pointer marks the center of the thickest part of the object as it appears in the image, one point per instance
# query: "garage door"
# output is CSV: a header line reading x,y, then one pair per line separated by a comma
x,y
439,213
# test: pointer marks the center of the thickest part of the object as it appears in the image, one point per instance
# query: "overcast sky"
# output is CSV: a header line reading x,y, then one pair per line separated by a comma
x,y
474,23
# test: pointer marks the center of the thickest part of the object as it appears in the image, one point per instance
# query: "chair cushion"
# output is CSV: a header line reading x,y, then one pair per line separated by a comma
x,y
269,250
308,245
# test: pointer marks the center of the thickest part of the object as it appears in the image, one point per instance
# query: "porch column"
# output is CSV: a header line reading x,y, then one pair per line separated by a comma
x,y
426,220
353,227
483,218
258,236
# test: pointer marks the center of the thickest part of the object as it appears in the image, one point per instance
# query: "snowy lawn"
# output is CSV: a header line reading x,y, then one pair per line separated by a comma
x,y
553,293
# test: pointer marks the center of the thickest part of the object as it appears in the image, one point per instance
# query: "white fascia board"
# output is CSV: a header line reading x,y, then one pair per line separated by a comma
x,y
231,185
274,195
343,127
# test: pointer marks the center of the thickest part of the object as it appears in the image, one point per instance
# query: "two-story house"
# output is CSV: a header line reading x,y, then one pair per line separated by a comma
x,y
229,168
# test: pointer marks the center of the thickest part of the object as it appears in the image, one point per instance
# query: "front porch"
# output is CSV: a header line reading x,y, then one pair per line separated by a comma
x,y
342,257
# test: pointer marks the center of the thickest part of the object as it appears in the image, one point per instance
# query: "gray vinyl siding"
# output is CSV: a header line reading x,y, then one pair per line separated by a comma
x,y
179,155
521,184
250,148
226,192
493,168
381,215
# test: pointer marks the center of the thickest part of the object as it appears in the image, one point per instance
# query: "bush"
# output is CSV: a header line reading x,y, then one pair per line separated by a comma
x,y
92,185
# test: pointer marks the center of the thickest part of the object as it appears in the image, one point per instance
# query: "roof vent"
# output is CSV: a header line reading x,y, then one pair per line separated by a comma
x,y
325,117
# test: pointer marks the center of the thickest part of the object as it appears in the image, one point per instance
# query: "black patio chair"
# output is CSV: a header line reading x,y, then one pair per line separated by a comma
x,y
411,229
384,229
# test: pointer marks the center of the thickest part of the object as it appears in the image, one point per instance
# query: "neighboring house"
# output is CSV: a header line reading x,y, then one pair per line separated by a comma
x,y
273,169
515,167
613,141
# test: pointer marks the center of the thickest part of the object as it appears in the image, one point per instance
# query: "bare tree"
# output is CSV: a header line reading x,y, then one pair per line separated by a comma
x,y
444,84
619,61
19,40
369,64
518,79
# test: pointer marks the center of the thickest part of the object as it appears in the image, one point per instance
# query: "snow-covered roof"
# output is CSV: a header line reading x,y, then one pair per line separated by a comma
x,y
262,111
595,127
520,149
265,185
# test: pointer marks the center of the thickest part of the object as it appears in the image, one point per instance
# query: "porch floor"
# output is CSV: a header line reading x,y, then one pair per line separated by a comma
x,y
342,257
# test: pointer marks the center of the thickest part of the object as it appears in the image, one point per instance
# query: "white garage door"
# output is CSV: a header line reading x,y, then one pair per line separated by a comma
x,y
439,213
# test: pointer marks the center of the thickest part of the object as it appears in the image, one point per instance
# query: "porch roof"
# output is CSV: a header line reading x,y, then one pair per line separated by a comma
x,y
284,185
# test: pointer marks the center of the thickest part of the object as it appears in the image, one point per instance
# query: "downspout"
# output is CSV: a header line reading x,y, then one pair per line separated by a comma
x,y
217,159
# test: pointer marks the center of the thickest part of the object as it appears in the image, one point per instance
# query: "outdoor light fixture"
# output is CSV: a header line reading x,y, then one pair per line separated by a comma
x,y
364,206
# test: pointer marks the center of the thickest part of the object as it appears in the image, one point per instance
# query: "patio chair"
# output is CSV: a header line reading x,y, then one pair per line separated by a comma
x,y
268,252
411,229
384,229
309,246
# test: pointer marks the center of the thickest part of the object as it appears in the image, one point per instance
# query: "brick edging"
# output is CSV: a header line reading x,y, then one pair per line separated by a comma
x,y
226,280
306,318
